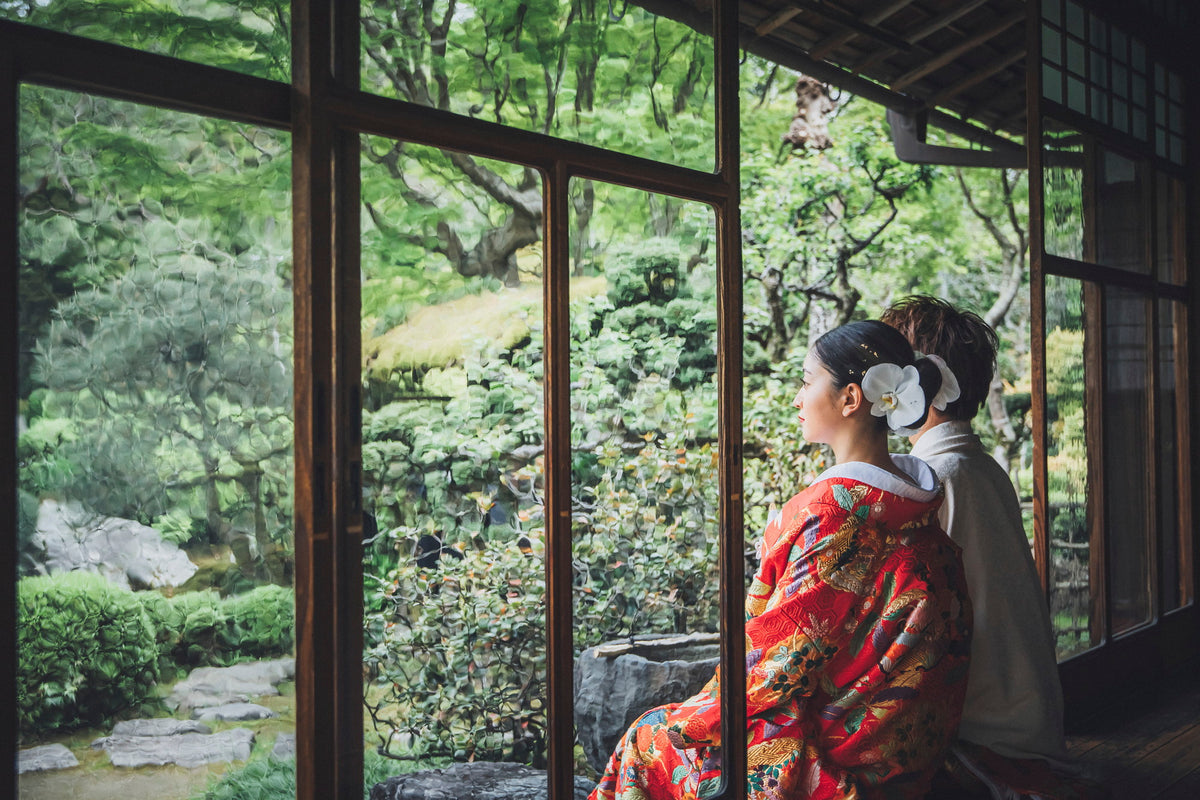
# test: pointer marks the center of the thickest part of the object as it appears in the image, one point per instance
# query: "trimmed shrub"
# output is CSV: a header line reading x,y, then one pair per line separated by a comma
x,y
202,629
87,651
261,622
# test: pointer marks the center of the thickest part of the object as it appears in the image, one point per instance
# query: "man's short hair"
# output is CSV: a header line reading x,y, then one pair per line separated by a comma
x,y
962,338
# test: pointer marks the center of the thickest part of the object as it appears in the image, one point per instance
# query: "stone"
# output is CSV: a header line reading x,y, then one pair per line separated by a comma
x,y
617,682
479,780
158,727
217,686
45,757
285,746
237,712
184,749
70,537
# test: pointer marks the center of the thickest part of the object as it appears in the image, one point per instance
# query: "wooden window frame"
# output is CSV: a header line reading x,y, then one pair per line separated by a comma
x,y
326,113
1145,652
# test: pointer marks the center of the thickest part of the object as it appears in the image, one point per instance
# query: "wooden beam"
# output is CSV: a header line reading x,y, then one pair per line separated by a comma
x,y
996,65
832,14
943,20
946,56
827,45
918,34
777,20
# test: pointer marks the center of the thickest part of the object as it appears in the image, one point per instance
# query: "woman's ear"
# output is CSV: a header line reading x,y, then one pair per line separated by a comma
x,y
852,399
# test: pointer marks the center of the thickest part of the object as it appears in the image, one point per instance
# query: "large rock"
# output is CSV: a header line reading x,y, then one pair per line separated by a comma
x,y
479,780
45,757
217,686
616,682
70,537
184,749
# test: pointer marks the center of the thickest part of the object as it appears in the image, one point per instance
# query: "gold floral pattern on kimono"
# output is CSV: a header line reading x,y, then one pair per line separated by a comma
x,y
857,640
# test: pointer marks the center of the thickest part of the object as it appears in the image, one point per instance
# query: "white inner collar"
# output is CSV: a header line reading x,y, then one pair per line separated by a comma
x,y
922,484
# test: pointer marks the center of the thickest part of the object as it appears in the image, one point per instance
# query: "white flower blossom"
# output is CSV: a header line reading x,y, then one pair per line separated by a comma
x,y
894,392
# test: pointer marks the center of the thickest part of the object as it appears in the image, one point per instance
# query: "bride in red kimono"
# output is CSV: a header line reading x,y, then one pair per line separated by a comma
x,y
857,621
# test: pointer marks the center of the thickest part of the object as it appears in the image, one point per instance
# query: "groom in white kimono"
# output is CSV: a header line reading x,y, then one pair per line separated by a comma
x,y
1011,741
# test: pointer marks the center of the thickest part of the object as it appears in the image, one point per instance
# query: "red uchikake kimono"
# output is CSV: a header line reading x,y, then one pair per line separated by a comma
x,y
857,644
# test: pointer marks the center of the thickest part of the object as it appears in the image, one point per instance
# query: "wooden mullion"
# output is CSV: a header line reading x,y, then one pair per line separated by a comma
x,y
317,740
9,332
1037,294
731,551
346,411
559,570
1183,433
1095,372
77,63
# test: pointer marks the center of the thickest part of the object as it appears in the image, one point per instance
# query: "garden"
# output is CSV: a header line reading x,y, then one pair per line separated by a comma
x,y
155,378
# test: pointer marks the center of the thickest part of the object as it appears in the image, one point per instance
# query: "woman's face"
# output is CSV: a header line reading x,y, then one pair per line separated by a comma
x,y
820,413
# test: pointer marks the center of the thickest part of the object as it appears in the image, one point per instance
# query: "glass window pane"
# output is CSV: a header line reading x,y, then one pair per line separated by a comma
x,y
1172,531
1052,87
155,448
1076,95
1076,60
1052,10
644,427
1121,228
453,575
1069,514
1126,456
1051,45
251,38
1075,17
1063,189
624,80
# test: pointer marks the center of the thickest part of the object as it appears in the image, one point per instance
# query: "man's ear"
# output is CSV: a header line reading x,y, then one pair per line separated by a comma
x,y
852,398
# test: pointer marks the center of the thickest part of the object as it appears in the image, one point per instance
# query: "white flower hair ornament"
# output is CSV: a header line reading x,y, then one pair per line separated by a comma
x,y
895,393
950,390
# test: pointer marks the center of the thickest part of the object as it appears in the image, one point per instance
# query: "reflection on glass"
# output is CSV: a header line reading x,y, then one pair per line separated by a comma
x,y
1126,456
644,429
1063,191
155,432
1169,491
625,80
1068,519
1168,202
1121,229
453,572
251,38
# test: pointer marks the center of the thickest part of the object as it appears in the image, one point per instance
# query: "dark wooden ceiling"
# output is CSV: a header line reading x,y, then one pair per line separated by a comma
x,y
961,60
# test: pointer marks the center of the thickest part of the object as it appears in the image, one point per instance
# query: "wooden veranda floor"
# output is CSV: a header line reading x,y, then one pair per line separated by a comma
x,y
1146,748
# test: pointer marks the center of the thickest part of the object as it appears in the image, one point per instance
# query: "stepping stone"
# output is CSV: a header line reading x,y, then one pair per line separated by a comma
x,y
45,757
234,711
216,686
184,749
285,746
158,727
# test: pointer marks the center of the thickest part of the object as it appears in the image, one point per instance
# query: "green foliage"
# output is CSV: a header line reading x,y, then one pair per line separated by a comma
x,y
250,36
177,526
265,778
199,629
457,652
87,652
260,779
